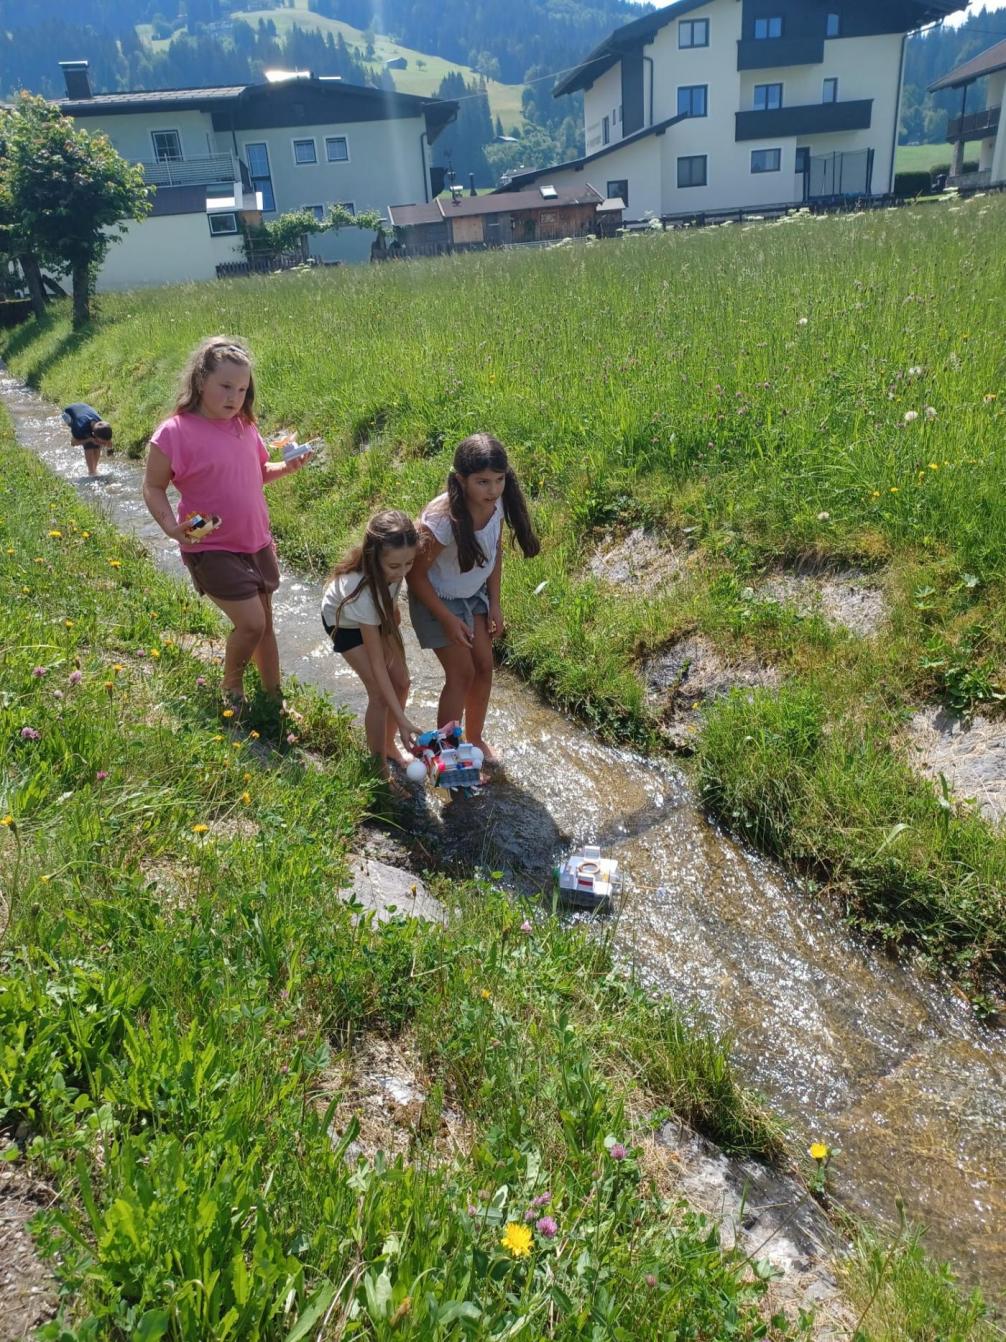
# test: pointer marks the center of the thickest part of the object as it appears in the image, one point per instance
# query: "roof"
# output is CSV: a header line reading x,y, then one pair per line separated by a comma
x,y
642,31
987,62
436,211
150,99
518,180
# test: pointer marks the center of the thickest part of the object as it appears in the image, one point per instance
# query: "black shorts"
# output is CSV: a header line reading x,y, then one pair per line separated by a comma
x,y
343,640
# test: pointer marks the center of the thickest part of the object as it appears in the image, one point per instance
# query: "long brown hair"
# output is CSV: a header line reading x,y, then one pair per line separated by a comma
x,y
386,530
483,452
205,359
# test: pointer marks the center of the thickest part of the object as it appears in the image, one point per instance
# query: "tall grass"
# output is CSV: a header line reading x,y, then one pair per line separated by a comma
x,y
824,386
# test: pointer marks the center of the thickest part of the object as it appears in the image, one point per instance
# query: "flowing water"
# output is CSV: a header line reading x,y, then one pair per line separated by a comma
x,y
851,1048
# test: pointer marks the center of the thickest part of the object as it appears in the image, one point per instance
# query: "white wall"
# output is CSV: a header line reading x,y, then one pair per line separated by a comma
x,y
166,250
130,133
604,99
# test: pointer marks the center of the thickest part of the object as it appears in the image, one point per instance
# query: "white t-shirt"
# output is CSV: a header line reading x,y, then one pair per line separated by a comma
x,y
361,610
445,574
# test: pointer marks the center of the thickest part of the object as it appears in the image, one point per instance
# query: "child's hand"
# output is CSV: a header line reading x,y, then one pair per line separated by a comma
x,y
494,621
408,731
458,632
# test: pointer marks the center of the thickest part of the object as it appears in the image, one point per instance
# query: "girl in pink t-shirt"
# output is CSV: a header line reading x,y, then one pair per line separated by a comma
x,y
213,454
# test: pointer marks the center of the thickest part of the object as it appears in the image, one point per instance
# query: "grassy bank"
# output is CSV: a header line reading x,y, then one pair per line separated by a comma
x,y
821,387
180,977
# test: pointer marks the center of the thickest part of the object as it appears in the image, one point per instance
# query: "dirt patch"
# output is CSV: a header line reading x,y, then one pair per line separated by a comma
x,y
845,600
174,882
28,1290
970,753
688,674
765,1213
638,559
383,1085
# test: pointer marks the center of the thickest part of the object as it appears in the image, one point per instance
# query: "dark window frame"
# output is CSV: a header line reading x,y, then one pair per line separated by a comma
x,y
693,159
832,80
833,24
329,141
692,27
261,181
295,145
622,194
802,158
167,158
768,27
223,232
757,153
691,90
767,105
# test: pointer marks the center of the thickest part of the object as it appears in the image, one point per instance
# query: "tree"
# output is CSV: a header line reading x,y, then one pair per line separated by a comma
x,y
69,192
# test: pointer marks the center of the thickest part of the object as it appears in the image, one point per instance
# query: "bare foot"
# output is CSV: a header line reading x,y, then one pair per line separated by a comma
x,y
490,759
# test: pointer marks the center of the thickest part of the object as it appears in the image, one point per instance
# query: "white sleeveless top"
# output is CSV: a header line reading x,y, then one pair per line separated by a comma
x,y
445,574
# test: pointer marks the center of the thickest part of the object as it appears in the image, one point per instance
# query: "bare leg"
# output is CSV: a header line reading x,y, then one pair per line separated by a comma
x,y
249,620
459,670
477,698
375,719
92,455
266,654
399,675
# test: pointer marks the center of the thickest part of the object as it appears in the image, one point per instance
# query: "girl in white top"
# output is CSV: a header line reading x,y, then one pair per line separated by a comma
x,y
360,613
454,585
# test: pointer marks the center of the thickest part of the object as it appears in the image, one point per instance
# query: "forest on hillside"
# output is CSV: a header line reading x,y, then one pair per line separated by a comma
x,y
933,53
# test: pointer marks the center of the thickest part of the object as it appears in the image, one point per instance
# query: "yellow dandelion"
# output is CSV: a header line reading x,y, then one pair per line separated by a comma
x,y
56,535
934,465
516,1239
44,880
486,994
39,561
254,735
200,828
115,563
818,1151
228,713
875,494
69,624
218,737
10,549
894,489
7,821
117,667
235,745
86,535
155,652
246,777
110,685
246,798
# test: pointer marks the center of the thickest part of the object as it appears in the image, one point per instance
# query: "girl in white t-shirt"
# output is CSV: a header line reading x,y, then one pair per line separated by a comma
x,y
454,585
360,613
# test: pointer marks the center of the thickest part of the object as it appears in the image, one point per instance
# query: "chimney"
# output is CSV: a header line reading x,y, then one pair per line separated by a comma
x,y
471,184
78,86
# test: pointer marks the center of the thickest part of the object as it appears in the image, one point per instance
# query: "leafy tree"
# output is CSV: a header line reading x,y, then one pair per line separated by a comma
x,y
288,233
69,192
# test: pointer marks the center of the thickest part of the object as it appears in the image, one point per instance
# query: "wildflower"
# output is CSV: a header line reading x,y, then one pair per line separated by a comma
x,y
823,517
155,652
200,828
69,623
117,667
618,1152
291,738
44,880
930,412
472,1209
934,465
30,734
10,549
57,694
404,1308
7,821
529,1214
246,798
546,1227
486,994
542,1200
228,713
516,1240
818,1151
526,927
915,371
802,321
115,563
988,398
254,735
86,535
235,745
75,677
650,1280
110,685
911,416
200,682
246,778
101,775
56,535
218,737
38,671
893,489
875,494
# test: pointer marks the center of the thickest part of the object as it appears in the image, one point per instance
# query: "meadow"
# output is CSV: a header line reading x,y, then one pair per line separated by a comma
x,y
823,389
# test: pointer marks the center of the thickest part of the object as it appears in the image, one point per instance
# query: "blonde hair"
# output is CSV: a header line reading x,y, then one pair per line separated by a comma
x,y
205,359
386,530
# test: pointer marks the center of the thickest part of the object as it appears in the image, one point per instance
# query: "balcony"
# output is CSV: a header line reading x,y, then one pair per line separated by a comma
x,y
209,170
808,119
975,126
971,181
770,53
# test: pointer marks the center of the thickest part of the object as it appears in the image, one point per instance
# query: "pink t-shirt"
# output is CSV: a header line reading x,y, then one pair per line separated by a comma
x,y
216,466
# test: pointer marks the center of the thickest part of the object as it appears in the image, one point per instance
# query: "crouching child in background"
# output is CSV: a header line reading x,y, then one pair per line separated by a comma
x,y
89,431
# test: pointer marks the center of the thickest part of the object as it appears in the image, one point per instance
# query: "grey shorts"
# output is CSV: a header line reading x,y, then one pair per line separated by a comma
x,y
429,630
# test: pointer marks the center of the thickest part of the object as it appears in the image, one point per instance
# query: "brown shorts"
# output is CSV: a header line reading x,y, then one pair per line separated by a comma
x,y
229,576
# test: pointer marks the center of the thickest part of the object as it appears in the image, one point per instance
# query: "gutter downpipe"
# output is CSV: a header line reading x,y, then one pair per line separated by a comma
x,y
897,112
426,175
650,60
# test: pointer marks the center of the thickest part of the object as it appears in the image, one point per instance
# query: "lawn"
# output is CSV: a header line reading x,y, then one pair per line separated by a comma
x,y
923,157
823,388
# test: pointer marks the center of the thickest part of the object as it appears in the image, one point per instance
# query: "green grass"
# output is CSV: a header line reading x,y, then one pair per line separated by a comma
x,y
923,157
423,74
825,387
179,973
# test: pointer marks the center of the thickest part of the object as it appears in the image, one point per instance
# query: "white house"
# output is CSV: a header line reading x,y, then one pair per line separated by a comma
x,y
711,105
984,123
220,156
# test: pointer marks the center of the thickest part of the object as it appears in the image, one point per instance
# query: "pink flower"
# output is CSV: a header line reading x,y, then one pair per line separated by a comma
x,y
30,734
542,1200
75,677
546,1227
101,775
526,927
618,1152
529,1214
200,681
38,672
650,1280
291,738
472,1209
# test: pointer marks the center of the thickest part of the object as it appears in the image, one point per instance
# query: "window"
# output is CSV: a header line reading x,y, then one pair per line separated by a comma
x,y
833,25
317,210
767,97
766,160
167,146
692,170
348,206
619,188
305,151
336,148
221,224
692,100
605,131
693,32
802,158
260,174
830,94
767,28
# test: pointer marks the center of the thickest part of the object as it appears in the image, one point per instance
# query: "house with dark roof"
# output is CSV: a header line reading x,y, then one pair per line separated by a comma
x,y
716,105
224,156
983,121
542,213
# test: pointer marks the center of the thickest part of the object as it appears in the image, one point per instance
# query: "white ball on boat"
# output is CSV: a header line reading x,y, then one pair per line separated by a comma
x,y
415,771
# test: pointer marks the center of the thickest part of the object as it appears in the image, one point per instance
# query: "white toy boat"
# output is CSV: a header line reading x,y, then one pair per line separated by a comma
x,y
586,880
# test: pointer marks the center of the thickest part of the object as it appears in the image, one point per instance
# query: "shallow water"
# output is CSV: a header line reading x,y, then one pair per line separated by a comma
x,y
851,1048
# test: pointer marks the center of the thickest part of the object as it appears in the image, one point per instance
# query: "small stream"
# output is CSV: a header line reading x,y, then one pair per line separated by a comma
x,y
852,1049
